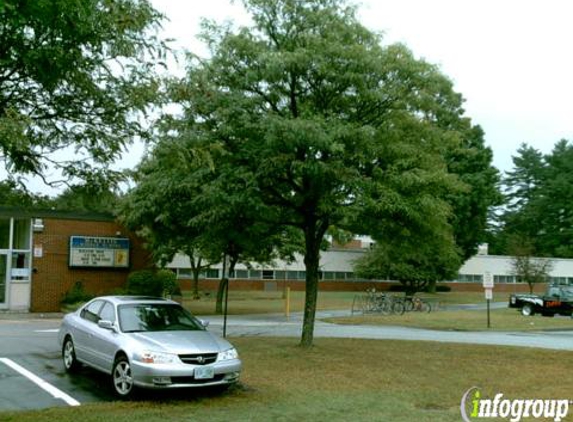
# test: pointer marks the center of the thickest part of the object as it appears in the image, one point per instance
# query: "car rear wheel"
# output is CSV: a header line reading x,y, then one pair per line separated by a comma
x,y
122,379
527,310
71,364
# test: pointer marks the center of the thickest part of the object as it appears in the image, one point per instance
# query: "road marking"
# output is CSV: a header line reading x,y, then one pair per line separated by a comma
x,y
56,393
53,330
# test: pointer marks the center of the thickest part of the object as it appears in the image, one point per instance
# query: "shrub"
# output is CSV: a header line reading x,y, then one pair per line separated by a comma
x,y
169,282
118,291
144,283
76,294
443,288
153,283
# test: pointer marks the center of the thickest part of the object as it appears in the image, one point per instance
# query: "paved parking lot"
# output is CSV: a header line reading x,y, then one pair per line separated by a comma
x,y
31,371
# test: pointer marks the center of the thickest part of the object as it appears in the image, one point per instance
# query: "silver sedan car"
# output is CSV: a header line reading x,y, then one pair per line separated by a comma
x,y
146,342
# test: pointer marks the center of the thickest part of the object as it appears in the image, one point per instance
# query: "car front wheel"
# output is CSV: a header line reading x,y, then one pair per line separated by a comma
x,y
527,310
71,364
122,379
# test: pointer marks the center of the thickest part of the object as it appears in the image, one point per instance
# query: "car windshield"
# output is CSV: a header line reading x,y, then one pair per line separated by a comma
x,y
567,293
142,317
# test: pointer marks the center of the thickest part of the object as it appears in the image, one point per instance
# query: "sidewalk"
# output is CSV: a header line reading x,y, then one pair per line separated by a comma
x,y
25,315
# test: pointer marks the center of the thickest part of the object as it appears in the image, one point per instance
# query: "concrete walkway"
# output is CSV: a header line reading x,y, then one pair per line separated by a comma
x,y
277,325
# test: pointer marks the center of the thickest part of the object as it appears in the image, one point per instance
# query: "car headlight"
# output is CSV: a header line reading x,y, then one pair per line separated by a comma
x,y
229,354
148,356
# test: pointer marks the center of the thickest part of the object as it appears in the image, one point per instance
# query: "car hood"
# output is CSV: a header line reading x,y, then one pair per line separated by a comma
x,y
182,342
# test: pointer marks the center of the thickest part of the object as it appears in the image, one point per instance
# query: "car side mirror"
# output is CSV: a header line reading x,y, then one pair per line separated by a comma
x,y
107,325
204,323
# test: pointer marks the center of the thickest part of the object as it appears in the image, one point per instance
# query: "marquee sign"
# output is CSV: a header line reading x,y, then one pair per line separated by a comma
x,y
99,252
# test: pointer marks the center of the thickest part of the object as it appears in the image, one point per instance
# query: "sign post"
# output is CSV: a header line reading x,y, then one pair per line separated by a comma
x,y
226,287
488,287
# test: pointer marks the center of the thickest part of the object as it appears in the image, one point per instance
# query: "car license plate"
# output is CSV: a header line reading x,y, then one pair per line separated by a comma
x,y
204,372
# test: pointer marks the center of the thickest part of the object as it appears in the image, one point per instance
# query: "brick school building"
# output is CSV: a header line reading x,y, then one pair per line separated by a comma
x,y
44,254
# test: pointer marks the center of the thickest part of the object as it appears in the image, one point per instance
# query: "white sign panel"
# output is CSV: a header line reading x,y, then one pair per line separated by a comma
x,y
38,251
488,280
102,252
20,272
488,294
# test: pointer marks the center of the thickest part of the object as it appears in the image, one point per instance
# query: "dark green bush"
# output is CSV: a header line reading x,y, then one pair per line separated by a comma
x,y
76,294
443,288
169,282
144,283
153,283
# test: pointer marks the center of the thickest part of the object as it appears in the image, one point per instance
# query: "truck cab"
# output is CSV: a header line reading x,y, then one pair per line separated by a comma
x,y
556,300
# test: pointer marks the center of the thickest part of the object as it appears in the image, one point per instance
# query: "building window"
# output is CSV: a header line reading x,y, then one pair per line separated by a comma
x,y
184,273
292,275
562,281
4,233
504,279
242,274
212,273
470,278
280,275
268,275
20,266
255,274
21,237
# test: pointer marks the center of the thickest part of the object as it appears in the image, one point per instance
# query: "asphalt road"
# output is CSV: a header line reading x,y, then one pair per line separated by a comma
x,y
32,375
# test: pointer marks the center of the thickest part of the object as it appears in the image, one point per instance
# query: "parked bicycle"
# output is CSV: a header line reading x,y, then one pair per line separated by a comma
x,y
377,302
416,304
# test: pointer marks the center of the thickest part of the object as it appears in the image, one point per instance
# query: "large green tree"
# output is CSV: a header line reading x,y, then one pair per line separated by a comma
x,y
179,205
471,161
14,195
553,203
539,192
323,125
74,76
417,257
87,198
522,186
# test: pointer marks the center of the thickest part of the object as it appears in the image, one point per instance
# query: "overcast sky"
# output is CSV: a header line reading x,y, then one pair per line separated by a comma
x,y
511,60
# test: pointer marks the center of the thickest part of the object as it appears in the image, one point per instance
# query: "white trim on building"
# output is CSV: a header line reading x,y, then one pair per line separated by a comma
x,y
337,264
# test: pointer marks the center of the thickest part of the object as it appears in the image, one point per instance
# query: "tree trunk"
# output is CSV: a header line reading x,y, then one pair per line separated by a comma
x,y
196,274
223,284
220,294
313,239
432,286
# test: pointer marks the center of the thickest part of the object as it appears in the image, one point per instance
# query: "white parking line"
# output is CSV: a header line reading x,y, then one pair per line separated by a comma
x,y
52,330
58,394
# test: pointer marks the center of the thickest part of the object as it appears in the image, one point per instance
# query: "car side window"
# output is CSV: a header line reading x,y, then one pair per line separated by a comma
x,y
90,312
107,312
554,291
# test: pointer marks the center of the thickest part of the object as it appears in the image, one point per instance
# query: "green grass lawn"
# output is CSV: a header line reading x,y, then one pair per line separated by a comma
x,y
243,302
257,302
501,320
345,380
